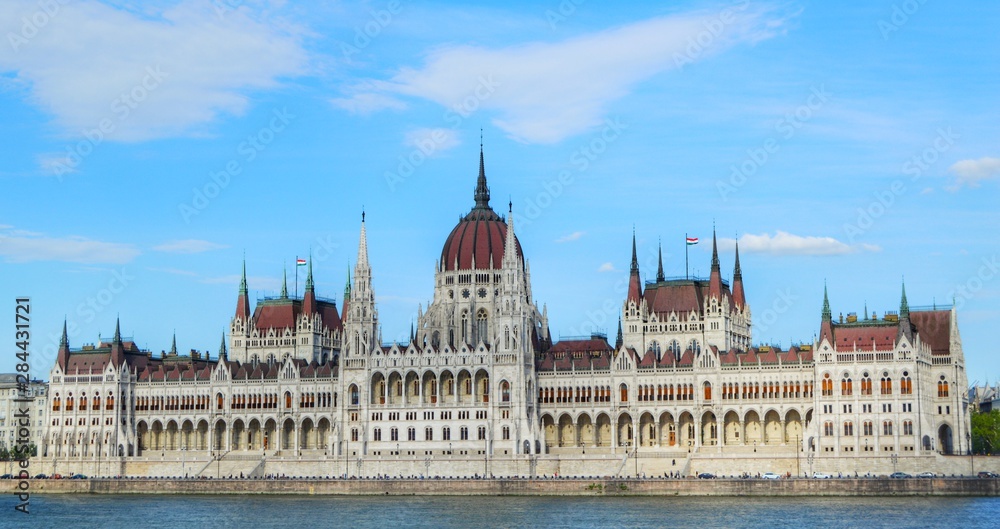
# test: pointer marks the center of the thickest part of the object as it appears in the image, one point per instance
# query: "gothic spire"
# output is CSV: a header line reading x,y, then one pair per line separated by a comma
x,y
739,296
118,333
715,252
659,272
827,315
904,306
284,283
619,340
173,344
737,272
363,245
635,259
64,341
482,190
222,347
715,277
243,281
309,277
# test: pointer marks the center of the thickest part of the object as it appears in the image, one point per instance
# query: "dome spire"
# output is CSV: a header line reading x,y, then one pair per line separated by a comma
x,y
659,272
482,190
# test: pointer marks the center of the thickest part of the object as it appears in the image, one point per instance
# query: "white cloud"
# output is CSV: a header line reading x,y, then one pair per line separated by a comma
x,y
575,236
543,92
367,103
784,243
19,246
156,73
606,267
431,141
973,172
188,246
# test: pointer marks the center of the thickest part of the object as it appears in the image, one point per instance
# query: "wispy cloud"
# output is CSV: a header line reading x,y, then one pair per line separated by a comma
x,y
784,243
92,61
543,92
55,165
575,236
972,173
19,246
188,246
606,267
431,141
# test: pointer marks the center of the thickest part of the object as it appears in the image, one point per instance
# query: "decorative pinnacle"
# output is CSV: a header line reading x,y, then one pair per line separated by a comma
x,y
827,315
635,259
284,283
118,332
904,306
659,272
243,281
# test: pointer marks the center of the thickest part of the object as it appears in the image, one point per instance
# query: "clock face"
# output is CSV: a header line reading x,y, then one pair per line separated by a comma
x,y
482,292
465,293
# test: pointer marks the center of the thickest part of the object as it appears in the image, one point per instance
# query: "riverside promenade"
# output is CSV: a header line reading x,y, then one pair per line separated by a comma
x,y
527,487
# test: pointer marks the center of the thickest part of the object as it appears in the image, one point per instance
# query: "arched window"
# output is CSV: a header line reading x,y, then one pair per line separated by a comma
x,y
905,384
504,391
846,386
866,384
942,388
848,428
481,327
708,391
828,428
288,400
354,395
886,385
827,385
623,389
887,428
866,428
465,326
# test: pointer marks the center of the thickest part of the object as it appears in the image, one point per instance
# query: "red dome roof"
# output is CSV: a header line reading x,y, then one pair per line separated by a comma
x,y
482,238
481,234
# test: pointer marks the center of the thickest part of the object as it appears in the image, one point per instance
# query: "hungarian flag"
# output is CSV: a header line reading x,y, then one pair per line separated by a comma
x,y
300,262
691,241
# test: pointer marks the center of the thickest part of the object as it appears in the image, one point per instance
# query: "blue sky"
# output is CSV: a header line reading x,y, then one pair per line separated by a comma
x,y
148,146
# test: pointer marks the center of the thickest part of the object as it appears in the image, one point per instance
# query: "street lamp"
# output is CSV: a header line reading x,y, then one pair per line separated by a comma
x,y
972,453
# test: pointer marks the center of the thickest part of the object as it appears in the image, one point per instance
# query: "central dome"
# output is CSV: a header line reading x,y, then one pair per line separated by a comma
x,y
480,236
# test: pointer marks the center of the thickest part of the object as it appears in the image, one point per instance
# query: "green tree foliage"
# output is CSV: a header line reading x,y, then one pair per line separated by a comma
x,y
986,432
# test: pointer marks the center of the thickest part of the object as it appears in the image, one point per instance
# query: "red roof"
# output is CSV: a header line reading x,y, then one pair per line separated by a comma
x,y
282,313
479,238
934,328
866,337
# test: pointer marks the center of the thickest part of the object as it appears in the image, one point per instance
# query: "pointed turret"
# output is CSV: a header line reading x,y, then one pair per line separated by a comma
x,y
117,348
362,245
284,283
510,257
634,283
905,327
63,356
173,345
222,348
243,301
826,327
739,297
482,190
347,295
309,298
619,340
715,279
659,271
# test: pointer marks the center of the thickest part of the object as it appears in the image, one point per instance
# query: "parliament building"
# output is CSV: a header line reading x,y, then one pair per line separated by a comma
x,y
305,386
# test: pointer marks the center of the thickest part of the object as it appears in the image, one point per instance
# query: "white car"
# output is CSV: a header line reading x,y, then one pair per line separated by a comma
x,y
770,475
821,475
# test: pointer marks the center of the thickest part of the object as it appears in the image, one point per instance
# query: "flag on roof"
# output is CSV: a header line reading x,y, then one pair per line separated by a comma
x,y
300,262
692,241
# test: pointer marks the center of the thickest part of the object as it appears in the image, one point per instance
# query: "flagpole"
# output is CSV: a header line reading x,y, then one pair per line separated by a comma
x,y
296,276
687,274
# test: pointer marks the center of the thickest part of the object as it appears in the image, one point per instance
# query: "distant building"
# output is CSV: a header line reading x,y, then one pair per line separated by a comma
x,y
984,397
9,409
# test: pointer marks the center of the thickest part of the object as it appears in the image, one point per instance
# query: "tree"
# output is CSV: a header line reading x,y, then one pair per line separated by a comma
x,y
986,432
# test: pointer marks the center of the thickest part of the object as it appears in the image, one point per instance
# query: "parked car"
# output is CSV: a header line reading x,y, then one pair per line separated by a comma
x,y
56,476
706,475
7,476
770,475
821,475
78,476
41,476
987,474
926,475
899,475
